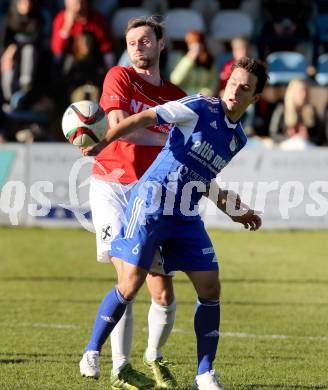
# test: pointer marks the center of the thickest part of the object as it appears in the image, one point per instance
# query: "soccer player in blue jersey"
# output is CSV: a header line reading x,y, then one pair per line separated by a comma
x,y
163,208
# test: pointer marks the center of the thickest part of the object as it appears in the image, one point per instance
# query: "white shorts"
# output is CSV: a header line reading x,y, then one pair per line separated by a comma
x,y
108,202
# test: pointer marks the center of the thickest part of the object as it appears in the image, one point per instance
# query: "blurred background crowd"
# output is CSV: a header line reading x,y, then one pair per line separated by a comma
x,y
54,52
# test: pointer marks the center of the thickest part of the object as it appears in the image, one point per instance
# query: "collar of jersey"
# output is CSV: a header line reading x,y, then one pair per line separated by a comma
x,y
230,124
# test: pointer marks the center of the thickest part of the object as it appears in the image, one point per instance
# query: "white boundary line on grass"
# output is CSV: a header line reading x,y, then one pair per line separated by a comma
x,y
39,325
273,336
175,330
258,336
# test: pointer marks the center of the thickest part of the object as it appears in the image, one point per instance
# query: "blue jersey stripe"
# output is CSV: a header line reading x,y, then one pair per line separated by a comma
x,y
134,218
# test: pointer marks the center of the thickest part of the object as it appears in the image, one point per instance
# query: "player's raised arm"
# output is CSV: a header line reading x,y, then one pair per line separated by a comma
x,y
126,126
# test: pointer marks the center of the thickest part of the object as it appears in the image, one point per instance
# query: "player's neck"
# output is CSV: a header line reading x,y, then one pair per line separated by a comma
x,y
232,116
151,75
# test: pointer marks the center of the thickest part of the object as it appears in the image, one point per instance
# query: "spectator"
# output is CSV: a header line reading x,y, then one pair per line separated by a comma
x,y
256,122
84,71
240,47
82,47
22,41
196,70
296,120
285,25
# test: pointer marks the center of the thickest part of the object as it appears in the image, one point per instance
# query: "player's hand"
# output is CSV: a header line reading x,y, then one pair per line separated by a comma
x,y
250,219
93,150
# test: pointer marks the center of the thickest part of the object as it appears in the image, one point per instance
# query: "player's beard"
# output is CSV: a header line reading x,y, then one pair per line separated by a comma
x,y
145,62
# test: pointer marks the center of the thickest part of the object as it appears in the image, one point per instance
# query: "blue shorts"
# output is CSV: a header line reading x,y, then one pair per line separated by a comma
x,y
184,244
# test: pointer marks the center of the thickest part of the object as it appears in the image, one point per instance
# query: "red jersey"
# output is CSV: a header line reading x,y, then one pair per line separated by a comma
x,y
95,23
125,90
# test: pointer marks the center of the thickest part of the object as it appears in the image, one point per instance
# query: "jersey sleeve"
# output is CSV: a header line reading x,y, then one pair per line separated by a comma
x,y
175,112
116,90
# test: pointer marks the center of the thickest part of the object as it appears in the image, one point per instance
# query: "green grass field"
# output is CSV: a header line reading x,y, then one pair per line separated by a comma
x,y
274,311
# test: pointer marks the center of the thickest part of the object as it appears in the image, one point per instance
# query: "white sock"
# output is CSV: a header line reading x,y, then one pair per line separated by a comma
x,y
160,325
121,340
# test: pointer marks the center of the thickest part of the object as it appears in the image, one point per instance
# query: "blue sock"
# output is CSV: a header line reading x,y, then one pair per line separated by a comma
x,y
206,324
110,312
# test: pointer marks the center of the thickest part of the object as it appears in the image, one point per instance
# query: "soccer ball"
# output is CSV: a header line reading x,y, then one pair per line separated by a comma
x,y
84,123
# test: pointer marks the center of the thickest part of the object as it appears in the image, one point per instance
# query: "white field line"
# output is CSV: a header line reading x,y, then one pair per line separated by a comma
x,y
39,325
175,330
273,336
257,336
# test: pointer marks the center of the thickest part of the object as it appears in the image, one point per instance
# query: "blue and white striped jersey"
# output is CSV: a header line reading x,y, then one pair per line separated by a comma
x,y
201,143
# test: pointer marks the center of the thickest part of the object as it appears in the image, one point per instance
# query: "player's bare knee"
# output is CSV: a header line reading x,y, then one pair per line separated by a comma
x,y
211,292
128,290
161,289
129,286
130,280
164,297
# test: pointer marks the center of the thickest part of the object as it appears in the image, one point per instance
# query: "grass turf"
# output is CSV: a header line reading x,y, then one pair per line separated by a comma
x,y
274,311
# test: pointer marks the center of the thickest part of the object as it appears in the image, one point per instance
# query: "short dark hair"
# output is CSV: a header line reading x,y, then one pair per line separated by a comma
x,y
154,22
257,68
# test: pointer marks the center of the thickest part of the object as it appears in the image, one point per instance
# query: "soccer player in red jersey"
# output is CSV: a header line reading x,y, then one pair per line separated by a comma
x,y
126,91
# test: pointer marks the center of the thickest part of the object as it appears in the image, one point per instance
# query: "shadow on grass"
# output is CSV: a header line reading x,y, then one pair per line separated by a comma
x,y
24,357
74,356
56,279
13,361
26,354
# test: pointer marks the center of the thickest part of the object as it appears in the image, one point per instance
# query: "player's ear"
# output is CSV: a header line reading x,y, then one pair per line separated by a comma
x,y
256,98
161,44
